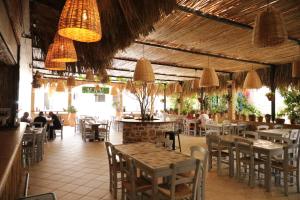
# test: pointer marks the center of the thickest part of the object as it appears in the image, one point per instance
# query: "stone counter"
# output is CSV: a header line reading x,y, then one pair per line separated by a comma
x,y
144,131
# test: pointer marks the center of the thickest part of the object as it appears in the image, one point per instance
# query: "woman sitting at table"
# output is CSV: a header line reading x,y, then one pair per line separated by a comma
x,y
203,118
56,125
25,118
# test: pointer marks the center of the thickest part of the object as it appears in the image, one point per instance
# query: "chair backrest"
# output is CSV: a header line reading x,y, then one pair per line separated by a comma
x,y
213,132
109,151
212,140
278,126
37,124
292,155
226,122
262,127
250,134
294,136
185,167
244,146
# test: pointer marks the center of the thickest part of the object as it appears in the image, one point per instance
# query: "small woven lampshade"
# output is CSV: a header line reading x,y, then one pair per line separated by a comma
x,y
296,69
209,78
143,71
71,81
89,75
58,66
196,84
252,80
114,91
63,50
269,29
97,88
80,21
178,88
60,86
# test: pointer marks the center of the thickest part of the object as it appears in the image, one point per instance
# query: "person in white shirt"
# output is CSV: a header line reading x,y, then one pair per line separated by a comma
x,y
203,118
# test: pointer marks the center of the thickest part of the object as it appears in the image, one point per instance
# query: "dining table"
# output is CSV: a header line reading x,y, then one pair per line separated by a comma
x,y
233,127
153,160
95,126
263,147
273,133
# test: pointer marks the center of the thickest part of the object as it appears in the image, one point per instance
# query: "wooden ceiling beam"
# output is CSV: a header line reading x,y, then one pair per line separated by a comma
x,y
200,53
223,20
166,64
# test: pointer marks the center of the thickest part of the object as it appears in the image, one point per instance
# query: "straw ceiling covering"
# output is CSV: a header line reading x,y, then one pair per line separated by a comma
x,y
181,40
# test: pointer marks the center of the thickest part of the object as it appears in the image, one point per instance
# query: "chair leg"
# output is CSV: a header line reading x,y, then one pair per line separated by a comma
x,y
179,142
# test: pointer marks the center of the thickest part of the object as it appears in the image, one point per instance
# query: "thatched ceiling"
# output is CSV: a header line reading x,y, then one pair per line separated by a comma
x,y
182,40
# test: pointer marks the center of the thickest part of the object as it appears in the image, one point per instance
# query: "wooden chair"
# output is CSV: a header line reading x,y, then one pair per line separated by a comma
x,y
249,134
104,130
37,124
181,187
60,132
245,155
262,127
114,168
289,166
172,136
132,185
28,149
86,133
216,149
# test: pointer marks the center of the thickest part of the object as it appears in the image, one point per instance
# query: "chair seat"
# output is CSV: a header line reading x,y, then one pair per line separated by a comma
x,y
216,153
181,191
279,165
141,185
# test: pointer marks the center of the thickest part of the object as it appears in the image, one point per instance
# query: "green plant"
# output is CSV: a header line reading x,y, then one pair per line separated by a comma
x,y
71,109
291,99
217,104
244,107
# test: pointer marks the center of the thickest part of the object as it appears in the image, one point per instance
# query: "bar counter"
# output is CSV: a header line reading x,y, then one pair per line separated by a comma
x,y
11,169
145,131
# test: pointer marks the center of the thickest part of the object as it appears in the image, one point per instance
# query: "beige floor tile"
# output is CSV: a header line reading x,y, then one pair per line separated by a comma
x,y
71,196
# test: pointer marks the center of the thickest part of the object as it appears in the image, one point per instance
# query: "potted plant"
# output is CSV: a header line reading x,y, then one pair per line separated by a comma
x,y
260,118
72,115
268,118
252,117
270,96
291,100
244,114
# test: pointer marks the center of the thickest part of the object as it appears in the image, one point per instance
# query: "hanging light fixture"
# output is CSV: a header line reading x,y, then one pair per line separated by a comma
x,y
97,88
178,88
252,80
63,50
196,82
58,66
269,28
143,70
71,81
60,86
296,69
89,75
80,21
209,77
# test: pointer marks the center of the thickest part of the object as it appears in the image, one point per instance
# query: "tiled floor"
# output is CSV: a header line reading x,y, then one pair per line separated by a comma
x,y
77,170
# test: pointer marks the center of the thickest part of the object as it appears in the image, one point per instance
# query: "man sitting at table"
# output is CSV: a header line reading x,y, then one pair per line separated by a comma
x,y
25,118
41,119
56,125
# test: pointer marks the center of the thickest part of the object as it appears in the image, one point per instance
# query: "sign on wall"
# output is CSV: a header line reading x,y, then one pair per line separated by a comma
x,y
92,90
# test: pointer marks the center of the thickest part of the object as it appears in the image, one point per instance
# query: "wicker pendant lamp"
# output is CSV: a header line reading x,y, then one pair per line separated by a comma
x,y
269,29
63,50
80,21
60,86
71,81
114,91
296,69
143,71
178,88
252,80
58,66
209,77
89,75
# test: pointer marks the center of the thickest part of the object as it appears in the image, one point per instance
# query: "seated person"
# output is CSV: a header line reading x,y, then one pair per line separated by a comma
x,y
25,118
41,119
56,124
203,118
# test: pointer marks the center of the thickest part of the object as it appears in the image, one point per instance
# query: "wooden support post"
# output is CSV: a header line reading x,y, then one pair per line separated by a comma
x,y
165,98
273,89
69,96
32,101
202,99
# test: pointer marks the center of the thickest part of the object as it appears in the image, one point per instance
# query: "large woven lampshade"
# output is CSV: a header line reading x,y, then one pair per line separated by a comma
x,y
80,21
60,86
196,84
296,69
58,66
178,88
143,71
209,78
252,80
71,81
89,75
63,50
269,29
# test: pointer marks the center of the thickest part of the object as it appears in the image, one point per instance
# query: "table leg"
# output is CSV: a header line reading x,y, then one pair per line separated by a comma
x,y
154,187
268,173
231,162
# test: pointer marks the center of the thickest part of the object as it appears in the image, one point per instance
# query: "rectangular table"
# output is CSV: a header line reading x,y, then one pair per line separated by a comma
x,y
273,133
221,127
154,160
260,146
